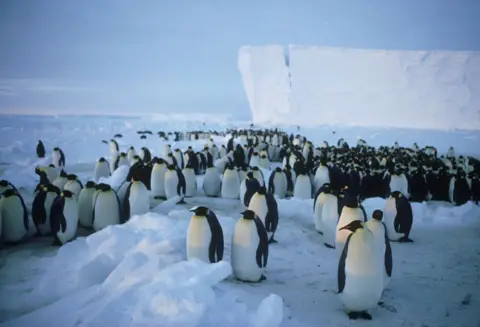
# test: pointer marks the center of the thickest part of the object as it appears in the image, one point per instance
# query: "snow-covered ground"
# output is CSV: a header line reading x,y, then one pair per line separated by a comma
x,y
136,274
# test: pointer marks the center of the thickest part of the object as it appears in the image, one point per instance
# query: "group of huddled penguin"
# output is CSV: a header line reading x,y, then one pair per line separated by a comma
x,y
338,178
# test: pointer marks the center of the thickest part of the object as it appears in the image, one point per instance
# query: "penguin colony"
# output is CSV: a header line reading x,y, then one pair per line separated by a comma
x,y
337,177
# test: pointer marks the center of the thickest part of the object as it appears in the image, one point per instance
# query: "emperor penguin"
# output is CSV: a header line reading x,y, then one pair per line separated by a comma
x,y
382,244
179,157
121,160
47,174
329,217
137,200
174,183
242,173
61,180
322,175
303,186
14,216
6,185
131,153
73,185
64,218
360,273
264,162
40,149
266,208
41,208
190,181
102,169
318,203
249,248
350,212
204,236
157,179
167,149
106,207
257,173
398,217
254,160
248,188
85,205
277,183
230,183
58,158
212,183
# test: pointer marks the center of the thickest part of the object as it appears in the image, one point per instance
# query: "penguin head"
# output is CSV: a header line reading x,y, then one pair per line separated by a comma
x,y
3,183
350,200
353,226
72,177
326,188
10,192
205,148
56,149
102,187
63,174
255,153
250,175
200,211
396,194
67,194
249,214
171,167
377,215
123,154
255,168
262,190
131,148
170,155
263,156
40,142
278,170
51,188
137,157
102,159
177,150
51,165
90,184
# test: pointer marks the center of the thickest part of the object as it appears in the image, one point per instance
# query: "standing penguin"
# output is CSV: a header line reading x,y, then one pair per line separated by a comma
x,y
106,207
121,160
249,248
204,236
85,205
131,153
157,179
40,149
102,169
360,273
64,218
330,217
398,217
212,183
41,208
265,207
248,188
73,185
257,173
318,203
230,183
174,183
277,183
14,216
6,185
382,244
137,200
303,185
322,175
58,158
61,180
190,181
350,212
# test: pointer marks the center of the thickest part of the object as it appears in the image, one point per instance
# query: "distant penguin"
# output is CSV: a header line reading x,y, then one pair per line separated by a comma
x,y
73,185
398,217
106,207
350,212
6,185
249,248
157,179
322,175
303,187
230,183
179,157
291,179
40,150
382,244
145,154
61,180
137,200
330,217
318,203
85,205
174,183
41,208
190,181
264,162
248,188
277,183
461,192
102,169
254,160
58,158
257,173
14,216
266,208
204,236
64,218
131,153
212,183
360,273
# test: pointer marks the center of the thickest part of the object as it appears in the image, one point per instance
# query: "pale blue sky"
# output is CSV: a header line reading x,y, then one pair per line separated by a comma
x,y
152,55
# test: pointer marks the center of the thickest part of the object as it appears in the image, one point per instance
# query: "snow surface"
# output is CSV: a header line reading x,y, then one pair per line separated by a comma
x,y
136,274
414,89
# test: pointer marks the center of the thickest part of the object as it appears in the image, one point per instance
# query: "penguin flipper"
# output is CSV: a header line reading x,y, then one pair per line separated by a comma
x,y
126,204
388,254
39,214
262,249
341,266
25,212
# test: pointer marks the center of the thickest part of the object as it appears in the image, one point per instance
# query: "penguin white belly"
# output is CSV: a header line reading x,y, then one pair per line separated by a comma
x,y
122,191
241,175
244,250
254,161
56,158
107,211
230,185
258,204
190,182
60,182
70,212
281,185
259,177
212,183
404,185
199,237
346,217
395,184
101,170
451,189
123,162
363,276
322,176
138,199
317,215
45,229
157,180
303,188
112,161
378,231
171,184
13,226
330,219
178,156
130,154
265,163
389,214
85,207
73,187
243,190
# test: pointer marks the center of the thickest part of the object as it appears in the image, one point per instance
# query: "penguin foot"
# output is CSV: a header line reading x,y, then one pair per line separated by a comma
x,y
159,198
319,232
272,240
182,201
353,315
56,242
262,278
365,315
405,240
329,246
381,303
